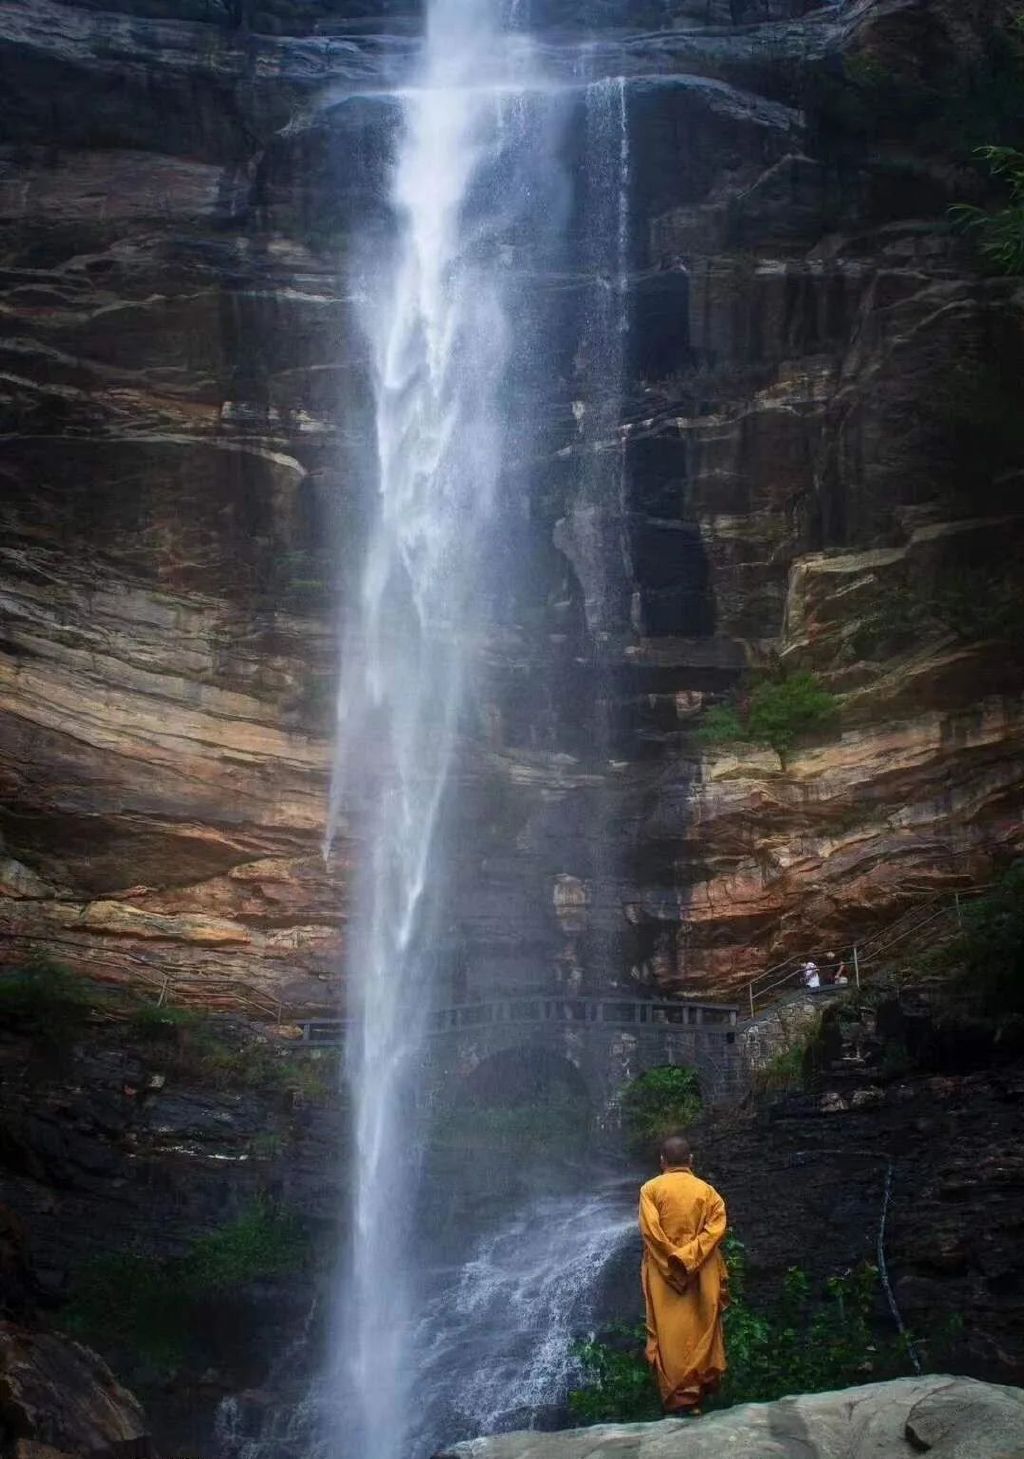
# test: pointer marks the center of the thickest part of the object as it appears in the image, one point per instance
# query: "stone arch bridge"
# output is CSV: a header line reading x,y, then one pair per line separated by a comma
x,y
606,1041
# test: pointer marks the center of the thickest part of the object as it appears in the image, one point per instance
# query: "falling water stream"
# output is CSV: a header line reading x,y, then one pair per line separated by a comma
x,y
497,1335
476,194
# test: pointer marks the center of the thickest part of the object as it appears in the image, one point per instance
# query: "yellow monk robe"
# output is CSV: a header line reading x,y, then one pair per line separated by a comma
x,y
682,1221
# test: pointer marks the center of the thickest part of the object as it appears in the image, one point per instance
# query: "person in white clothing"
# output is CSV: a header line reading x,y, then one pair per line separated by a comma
x,y
812,978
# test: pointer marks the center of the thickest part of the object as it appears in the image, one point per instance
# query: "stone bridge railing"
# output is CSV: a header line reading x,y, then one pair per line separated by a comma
x,y
608,1041
602,1013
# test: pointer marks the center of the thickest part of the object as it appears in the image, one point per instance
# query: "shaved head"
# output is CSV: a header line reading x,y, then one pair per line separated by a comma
x,y
676,1150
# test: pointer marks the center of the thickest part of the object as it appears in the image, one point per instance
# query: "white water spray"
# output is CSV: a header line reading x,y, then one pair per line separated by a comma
x,y
498,1340
596,535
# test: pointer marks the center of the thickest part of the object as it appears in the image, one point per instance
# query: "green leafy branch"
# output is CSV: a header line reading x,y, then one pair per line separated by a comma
x,y
801,1343
1000,234
659,1103
778,712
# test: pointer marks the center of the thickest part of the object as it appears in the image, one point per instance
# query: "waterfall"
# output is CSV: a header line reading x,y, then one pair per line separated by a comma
x,y
437,305
595,535
460,348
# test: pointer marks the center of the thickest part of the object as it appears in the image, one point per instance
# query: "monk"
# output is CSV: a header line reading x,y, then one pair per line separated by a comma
x,y
682,1221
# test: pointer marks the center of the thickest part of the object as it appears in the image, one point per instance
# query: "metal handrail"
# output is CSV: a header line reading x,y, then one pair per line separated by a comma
x,y
855,953
793,963
172,988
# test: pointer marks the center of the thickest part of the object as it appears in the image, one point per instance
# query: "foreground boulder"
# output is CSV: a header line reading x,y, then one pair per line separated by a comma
x,y
58,1398
949,1418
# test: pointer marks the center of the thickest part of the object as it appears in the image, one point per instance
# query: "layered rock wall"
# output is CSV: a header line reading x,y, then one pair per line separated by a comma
x,y
822,464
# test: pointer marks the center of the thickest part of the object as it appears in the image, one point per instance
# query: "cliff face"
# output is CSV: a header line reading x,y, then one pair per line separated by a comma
x,y
822,461
171,380
121,1148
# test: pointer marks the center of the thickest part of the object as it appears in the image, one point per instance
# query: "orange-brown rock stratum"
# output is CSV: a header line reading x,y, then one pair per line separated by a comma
x,y
822,450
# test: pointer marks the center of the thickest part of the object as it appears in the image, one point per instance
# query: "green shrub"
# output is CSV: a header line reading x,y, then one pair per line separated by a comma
x,y
784,1071
618,1384
47,1000
721,725
795,1065
779,711
152,1309
309,1076
796,1345
971,605
204,1054
160,1022
659,1103
210,1057
1000,234
261,1242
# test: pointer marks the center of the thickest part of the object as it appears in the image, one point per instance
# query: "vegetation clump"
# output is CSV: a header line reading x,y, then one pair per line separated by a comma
x,y
161,1022
195,1045
47,1001
974,979
617,1383
797,1344
800,1343
1000,231
51,1004
152,1309
657,1104
779,711
799,1051
205,1053
783,1072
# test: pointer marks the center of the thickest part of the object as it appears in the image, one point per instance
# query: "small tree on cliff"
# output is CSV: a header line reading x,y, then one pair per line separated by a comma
x,y
778,712
782,710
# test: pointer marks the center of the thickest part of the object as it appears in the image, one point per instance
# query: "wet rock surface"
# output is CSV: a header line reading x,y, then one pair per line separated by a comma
x,y
107,1147
59,1399
126,1150
948,1417
805,1181
806,1187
